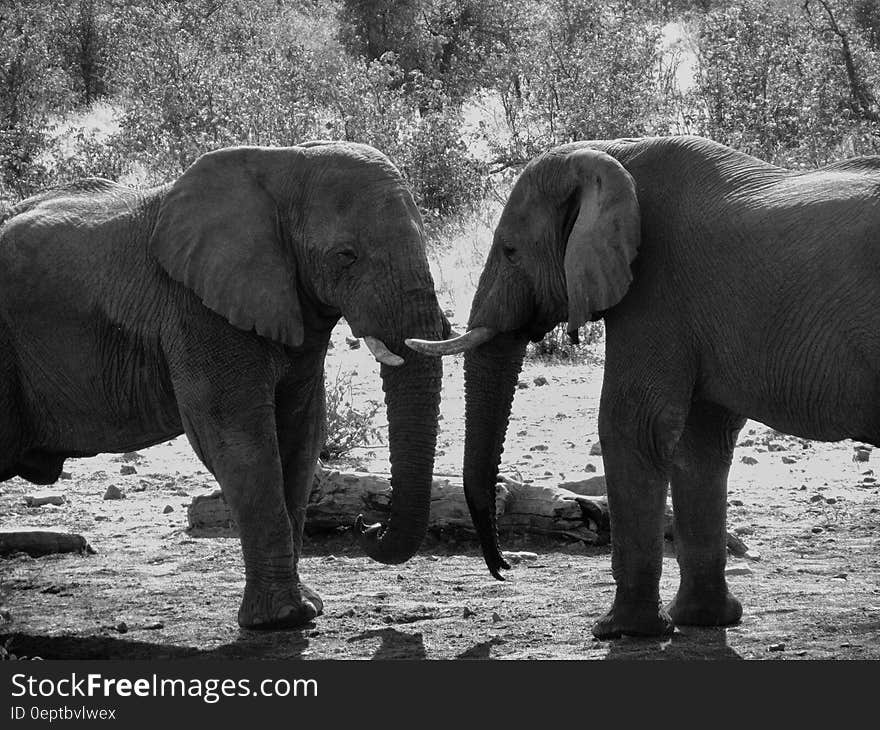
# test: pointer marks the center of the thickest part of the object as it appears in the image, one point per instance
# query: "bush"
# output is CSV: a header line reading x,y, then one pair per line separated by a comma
x,y
558,347
348,426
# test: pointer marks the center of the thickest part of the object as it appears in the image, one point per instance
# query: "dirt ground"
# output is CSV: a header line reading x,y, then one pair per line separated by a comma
x,y
809,510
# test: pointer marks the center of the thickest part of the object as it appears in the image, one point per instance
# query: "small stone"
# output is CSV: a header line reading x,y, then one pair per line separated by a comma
x,y
540,380
590,468
861,453
467,613
38,500
817,530
66,475
867,472
596,449
127,469
114,492
539,447
101,518
522,385
816,498
777,647
749,460
154,626
122,627
830,500
168,508
746,442
735,503
496,618
789,460
869,480
353,342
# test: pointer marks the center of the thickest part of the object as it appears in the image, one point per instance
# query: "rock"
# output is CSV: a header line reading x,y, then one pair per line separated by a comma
x,y
114,492
789,460
867,472
467,613
830,500
122,627
777,647
596,449
496,618
38,500
522,385
773,446
590,468
540,380
750,460
869,480
816,498
861,453
168,508
37,543
127,469
735,503
817,530
353,342
539,447
65,475
746,442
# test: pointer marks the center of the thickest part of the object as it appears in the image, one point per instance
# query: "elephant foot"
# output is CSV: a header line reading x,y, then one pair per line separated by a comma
x,y
642,618
701,609
278,608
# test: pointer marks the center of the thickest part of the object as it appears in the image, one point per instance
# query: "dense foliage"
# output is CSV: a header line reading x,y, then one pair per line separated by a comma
x,y
459,93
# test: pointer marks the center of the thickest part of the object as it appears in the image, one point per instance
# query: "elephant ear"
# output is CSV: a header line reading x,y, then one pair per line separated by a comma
x,y
219,233
604,237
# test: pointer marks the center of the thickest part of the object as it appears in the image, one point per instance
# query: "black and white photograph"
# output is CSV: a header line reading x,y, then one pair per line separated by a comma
x,y
438,330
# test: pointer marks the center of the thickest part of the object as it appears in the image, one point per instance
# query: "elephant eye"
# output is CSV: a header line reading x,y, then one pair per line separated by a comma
x,y
346,256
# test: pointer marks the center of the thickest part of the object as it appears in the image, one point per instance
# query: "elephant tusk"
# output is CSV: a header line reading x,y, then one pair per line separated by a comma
x,y
382,353
468,341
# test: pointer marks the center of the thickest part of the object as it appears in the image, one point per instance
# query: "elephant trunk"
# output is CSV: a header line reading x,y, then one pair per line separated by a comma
x,y
491,372
412,398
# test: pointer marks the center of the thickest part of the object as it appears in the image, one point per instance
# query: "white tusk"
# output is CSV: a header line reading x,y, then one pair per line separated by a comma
x,y
382,353
468,341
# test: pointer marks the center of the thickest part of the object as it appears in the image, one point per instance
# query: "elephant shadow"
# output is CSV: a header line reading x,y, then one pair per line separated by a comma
x,y
686,644
249,645
394,644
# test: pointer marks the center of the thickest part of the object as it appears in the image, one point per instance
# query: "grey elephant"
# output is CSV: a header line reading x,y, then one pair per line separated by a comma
x,y
730,288
205,306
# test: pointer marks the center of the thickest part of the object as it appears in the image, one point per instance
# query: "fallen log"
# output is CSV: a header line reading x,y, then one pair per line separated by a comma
x,y
37,543
338,497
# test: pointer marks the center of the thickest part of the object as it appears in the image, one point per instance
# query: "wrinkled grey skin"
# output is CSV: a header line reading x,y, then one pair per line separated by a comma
x,y
128,317
746,290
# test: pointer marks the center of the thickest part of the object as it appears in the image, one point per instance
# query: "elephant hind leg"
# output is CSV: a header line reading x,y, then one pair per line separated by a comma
x,y
699,496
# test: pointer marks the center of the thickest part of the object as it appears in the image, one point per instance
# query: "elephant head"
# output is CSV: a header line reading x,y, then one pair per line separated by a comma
x,y
285,241
562,249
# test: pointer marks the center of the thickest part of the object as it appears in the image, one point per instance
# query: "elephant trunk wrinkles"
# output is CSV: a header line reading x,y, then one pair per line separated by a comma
x,y
412,399
491,372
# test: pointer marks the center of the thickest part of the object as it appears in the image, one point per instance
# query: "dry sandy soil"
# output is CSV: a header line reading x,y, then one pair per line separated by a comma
x,y
153,591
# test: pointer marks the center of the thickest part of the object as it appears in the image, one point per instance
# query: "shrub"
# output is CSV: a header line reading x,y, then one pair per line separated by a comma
x,y
348,425
558,347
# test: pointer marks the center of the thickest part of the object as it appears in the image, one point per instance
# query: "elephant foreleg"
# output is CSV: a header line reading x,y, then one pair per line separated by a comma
x,y
636,455
242,452
301,421
699,497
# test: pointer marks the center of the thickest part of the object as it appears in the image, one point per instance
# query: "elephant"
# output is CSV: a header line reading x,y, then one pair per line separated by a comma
x,y
204,306
730,289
